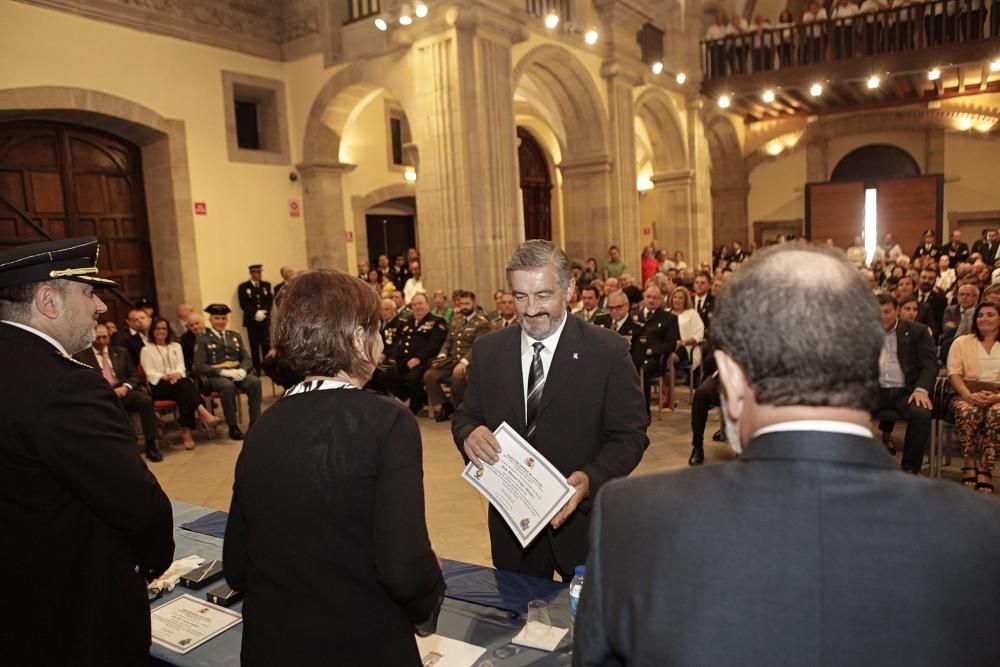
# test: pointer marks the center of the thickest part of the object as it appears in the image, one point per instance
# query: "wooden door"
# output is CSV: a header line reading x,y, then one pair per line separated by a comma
x,y
389,235
61,181
536,187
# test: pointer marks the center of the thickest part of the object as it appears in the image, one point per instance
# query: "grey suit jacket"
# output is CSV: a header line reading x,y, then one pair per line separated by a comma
x,y
811,549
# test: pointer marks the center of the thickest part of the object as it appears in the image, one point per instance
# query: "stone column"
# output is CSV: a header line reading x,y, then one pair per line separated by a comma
x,y
587,208
325,223
468,194
674,227
625,226
934,159
816,157
700,187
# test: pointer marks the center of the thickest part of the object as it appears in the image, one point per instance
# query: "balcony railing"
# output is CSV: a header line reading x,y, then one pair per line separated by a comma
x,y
361,9
561,8
650,40
896,30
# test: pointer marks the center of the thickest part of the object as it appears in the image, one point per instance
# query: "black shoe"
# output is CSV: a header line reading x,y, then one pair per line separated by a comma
x,y
697,456
719,436
446,412
235,433
153,453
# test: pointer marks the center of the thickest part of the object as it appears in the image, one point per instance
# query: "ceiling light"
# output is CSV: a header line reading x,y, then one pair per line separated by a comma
x,y
934,74
410,175
816,90
381,24
405,19
681,78
768,96
590,37
420,10
724,102
657,67
551,21
874,82
995,65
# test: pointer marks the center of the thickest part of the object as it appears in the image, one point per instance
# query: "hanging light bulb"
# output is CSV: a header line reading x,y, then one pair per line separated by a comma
x,y
874,82
768,96
420,10
591,37
381,24
551,21
681,78
724,102
657,67
816,90
934,74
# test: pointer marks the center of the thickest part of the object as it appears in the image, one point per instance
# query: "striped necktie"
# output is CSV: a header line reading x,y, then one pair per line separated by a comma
x,y
536,382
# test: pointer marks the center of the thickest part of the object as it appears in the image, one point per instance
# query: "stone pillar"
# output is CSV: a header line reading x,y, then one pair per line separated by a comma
x,y
587,208
674,227
816,160
701,194
326,225
625,230
934,160
468,196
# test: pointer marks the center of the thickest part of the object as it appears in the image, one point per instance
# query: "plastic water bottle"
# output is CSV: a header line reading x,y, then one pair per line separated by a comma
x,y
575,587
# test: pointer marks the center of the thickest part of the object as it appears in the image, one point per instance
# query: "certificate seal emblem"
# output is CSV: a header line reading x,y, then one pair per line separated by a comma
x,y
525,524
530,462
479,474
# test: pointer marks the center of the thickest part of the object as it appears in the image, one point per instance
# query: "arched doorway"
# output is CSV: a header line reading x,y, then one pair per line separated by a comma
x,y
875,162
536,187
61,181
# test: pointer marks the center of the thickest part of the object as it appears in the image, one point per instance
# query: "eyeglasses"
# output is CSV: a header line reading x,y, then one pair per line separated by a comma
x,y
617,307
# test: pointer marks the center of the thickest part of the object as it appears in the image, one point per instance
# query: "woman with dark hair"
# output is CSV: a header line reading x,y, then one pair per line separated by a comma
x,y
327,517
974,373
162,361
909,308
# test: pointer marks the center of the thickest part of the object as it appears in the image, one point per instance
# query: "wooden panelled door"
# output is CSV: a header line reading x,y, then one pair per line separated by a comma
x,y
536,187
61,181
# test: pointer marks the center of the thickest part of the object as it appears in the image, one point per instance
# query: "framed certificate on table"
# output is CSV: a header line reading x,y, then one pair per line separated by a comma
x,y
186,622
523,486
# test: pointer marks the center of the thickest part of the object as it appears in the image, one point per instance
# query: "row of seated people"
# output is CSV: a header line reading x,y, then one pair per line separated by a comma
x,y
735,47
143,363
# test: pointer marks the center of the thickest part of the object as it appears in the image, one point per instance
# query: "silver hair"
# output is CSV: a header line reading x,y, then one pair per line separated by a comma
x,y
538,254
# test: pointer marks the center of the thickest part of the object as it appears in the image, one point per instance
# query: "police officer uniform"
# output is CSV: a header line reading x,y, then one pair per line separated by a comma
x,y
223,363
86,523
256,299
657,336
419,340
456,350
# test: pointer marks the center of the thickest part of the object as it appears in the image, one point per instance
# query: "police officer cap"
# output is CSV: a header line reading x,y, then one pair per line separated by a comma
x,y
217,309
143,302
255,267
69,259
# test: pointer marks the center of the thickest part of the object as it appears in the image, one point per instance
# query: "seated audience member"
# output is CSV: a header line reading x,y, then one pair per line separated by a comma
x,y
573,303
958,317
420,338
905,286
987,246
414,284
589,301
907,368
617,317
507,313
656,336
974,373
856,253
179,326
589,273
692,332
928,248
451,365
112,328
441,308
327,516
933,314
791,554
946,275
115,364
195,328
135,336
909,308
403,310
224,364
607,287
287,273
888,250
956,249
163,364
634,293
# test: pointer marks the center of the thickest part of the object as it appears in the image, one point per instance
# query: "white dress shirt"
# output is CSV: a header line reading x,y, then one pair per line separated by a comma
x,y
413,287
825,425
528,353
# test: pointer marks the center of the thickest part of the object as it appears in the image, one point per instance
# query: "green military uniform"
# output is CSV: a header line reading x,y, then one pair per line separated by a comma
x,y
224,364
417,340
456,350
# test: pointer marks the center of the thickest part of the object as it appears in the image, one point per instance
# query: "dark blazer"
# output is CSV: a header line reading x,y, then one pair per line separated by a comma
x,y
121,363
988,249
188,341
923,251
933,314
706,308
958,252
85,522
915,351
658,334
591,417
253,299
628,328
327,522
131,342
792,557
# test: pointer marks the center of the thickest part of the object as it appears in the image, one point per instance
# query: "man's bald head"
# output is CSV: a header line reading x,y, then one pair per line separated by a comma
x,y
804,327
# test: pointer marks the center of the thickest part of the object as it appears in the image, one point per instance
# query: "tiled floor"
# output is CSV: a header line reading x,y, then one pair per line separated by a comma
x,y
456,514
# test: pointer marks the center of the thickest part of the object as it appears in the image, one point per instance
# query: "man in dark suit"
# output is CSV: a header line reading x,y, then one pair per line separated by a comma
x,y
987,246
419,340
569,389
85,523
617,318
703,299
195,328
657,336
790,554
907,369
929,248
591,306
933,314
256,300
287,273
956,249
115,366
135,337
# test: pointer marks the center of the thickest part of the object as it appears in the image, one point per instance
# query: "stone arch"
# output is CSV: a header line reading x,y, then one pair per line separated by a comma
x,y
164,166
656,110
361,203
730,184
575,95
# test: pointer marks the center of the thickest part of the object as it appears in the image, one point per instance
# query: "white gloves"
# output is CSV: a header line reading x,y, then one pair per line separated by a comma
x,y
169,579
260,315
234,374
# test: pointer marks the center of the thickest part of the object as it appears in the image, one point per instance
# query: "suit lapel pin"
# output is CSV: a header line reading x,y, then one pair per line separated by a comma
x,y
576,355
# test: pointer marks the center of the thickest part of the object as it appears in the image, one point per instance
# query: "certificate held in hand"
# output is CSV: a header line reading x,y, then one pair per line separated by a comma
x,y
523,486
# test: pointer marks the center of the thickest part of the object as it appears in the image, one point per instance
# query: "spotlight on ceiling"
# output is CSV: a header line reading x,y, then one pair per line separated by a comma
x,y
724,102
405,19
381,24
681,78
591,37
816,90
551,21
934,74
410,175
768,96
657,67
874,82
420,10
